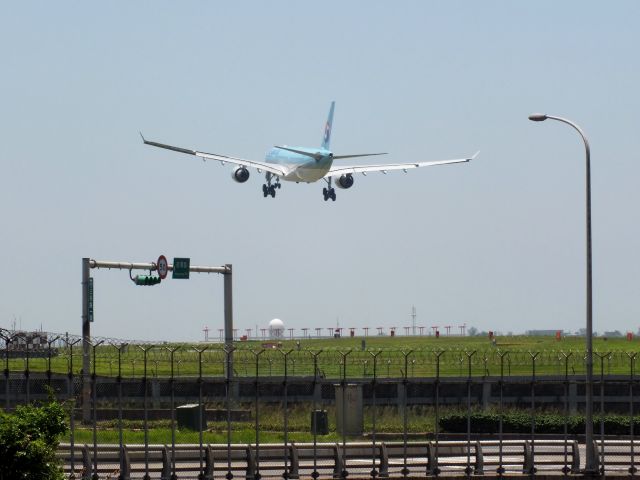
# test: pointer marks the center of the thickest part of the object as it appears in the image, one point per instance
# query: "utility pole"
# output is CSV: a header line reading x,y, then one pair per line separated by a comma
x,y
86,342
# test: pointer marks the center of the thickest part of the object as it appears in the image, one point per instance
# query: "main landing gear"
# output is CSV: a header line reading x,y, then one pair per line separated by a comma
x,y
329,193
268,188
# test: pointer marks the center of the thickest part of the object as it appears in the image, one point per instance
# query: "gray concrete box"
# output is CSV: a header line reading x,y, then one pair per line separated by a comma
x,y
349,406
192,417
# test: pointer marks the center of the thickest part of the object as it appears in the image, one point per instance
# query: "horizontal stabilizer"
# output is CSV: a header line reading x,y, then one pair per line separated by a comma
x,y
316,156
338,157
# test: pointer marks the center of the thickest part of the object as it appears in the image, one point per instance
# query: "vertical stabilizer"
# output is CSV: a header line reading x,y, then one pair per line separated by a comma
x,y
326,139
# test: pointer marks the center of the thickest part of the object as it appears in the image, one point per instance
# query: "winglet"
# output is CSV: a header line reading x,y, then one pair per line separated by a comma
x,y
475,155
142,136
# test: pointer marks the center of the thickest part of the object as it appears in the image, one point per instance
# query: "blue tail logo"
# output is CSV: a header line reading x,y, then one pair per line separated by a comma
x,y
326,139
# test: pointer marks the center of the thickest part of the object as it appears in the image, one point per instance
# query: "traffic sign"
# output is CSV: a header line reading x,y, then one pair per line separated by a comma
x,y
181,268
163,266
90,300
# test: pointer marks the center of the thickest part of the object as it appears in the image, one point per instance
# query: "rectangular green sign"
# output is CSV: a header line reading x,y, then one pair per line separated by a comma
x,y
90,300
181,268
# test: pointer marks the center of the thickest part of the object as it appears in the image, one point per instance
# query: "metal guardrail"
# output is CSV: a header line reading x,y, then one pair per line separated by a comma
x,y
339,461
323,460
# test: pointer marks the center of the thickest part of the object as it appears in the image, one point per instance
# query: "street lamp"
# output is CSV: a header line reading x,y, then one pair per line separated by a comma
x,y
590,464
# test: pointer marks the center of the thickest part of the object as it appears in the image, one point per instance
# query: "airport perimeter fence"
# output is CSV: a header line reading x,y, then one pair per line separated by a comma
x,y
377,413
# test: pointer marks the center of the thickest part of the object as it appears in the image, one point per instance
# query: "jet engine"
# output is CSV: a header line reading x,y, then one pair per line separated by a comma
x,y
240,174
345,181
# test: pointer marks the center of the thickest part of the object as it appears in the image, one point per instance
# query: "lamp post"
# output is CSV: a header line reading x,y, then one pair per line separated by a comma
x,y
590,464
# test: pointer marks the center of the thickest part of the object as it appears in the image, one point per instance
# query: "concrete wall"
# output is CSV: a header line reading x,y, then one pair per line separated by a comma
x,y
547,391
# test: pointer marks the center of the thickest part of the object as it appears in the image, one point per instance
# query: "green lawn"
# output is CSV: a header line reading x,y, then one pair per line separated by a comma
x,y
391,357
388,420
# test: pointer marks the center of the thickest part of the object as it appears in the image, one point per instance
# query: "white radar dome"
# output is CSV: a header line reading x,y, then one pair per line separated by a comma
x,y
276,328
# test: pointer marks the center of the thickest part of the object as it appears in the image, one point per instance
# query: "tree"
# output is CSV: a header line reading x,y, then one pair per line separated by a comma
x,y
28,441
473,331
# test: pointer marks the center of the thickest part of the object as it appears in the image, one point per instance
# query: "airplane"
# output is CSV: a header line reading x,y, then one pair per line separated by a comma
x,y
305,164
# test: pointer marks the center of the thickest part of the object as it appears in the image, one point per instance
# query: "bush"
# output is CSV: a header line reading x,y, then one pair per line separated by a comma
x,y
28,441
519,421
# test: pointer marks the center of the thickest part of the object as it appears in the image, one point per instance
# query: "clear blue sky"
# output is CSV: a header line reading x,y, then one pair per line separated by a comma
x,y
498,243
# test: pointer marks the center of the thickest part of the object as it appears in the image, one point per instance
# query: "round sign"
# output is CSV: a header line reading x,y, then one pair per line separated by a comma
x,y
163,267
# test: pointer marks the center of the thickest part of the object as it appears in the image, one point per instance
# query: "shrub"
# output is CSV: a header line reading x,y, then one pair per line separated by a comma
x,y
28,441
519,421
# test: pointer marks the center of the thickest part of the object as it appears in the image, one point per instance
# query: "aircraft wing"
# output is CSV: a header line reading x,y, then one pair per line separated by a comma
x,y
278,170
338,170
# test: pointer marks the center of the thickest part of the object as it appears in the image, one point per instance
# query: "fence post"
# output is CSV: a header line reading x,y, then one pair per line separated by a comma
x,y
26,370
145,350
602,357
632,359
532,470
285,356
72,402
405,380
469,470
201,413
94,407
123,459
315,474
433,465
344,473
256,473
7,340
566,469
172,393
374,471
500,470
49,343
228,352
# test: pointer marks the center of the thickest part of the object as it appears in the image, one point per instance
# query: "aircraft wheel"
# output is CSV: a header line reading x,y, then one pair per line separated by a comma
x,y
279,185
272,191
265,191
333,195
324,192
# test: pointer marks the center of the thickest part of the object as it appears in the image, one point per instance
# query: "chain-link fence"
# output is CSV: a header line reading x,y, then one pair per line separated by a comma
x,y
178,411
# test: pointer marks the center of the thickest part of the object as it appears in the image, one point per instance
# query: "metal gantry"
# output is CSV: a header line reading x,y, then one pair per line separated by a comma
x,y
88,264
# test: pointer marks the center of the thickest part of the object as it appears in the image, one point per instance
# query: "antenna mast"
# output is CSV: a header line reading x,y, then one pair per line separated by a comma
x,y
413,319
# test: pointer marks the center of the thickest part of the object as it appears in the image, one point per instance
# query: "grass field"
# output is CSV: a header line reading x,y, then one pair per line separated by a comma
x,y
398,356
389,420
